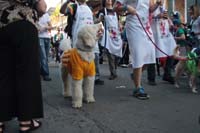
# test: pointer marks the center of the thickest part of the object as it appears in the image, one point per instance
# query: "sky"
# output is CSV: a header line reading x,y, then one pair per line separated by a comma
x,y
52,3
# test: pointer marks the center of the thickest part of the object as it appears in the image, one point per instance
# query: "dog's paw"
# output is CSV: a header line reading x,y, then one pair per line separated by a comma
x,y
77,105
89,100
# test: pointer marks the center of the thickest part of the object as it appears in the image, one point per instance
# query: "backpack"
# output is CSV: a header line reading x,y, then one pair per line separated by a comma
x,y
70,19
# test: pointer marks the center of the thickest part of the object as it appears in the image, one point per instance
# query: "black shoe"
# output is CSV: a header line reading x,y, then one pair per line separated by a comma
x,y
140,94
169,79
46,78
99,82
112,77
153,83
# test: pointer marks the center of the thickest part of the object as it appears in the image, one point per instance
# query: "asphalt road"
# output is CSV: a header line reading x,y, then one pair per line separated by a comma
x,y
169,110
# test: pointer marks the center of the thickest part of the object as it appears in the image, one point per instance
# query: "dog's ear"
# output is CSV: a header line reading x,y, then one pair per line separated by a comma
x,y
88,35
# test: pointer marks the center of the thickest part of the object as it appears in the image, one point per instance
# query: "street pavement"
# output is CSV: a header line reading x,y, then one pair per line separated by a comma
x,y
169,110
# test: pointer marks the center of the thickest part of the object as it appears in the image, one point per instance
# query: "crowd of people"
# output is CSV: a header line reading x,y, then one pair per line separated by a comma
x,y
149,37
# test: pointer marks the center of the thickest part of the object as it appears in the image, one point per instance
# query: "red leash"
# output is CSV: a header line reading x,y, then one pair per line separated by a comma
x,y
154,42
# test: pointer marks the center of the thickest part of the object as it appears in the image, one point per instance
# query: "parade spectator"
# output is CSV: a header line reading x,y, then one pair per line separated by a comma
x,y
165,41
180,37
194,12
45,42
20,85
111,39
81,15
98,80
140,47
57,38
70,18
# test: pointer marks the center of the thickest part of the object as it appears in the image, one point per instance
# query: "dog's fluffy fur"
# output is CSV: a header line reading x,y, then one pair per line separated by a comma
x,y
180,68
82,90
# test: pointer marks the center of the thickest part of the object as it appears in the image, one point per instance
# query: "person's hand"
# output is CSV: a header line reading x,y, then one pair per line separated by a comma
x,y
159,2
131,10
41,7
65,58
101,17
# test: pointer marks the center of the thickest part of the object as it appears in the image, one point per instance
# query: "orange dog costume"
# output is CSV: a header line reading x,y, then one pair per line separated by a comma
x,y
79,68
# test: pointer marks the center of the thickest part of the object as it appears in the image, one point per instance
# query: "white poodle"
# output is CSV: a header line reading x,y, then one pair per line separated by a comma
x,y
78,77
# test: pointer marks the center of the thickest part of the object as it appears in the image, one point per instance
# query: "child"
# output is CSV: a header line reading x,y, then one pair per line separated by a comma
x,y
164,40
112,38
180,36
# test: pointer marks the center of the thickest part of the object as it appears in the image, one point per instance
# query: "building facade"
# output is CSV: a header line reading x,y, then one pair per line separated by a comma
x,y
182,7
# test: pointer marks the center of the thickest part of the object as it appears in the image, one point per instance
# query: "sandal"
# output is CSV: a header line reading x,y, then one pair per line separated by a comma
x,y
30,126
2,127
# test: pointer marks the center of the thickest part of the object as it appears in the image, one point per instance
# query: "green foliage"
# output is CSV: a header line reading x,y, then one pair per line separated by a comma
x,y
56,13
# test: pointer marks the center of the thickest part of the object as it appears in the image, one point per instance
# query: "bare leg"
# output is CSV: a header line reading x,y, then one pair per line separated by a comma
x,y
137,77
139,92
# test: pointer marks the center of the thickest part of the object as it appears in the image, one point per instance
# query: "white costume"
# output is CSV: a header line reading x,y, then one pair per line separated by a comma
x,y
141,48
83,16
162,35
111,39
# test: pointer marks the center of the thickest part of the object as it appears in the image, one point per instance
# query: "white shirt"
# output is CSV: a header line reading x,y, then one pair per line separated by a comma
x,y
43,22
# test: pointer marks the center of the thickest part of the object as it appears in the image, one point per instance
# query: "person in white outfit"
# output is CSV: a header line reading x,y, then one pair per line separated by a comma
x,y
82,16
164,40
111,39
141,48
194,12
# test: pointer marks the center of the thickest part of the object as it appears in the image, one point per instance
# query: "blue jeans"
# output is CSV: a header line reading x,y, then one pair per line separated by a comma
x,y
44,52
96,61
